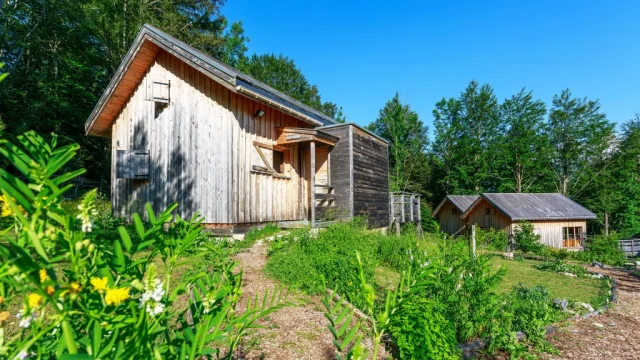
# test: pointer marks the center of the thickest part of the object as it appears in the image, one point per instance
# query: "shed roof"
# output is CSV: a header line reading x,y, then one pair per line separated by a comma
x,y
141,56
462,202
542,206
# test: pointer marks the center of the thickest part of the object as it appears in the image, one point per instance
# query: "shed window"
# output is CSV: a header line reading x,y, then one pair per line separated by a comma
x,y
161,92
278,161
491,211
571,236
132,164
454,211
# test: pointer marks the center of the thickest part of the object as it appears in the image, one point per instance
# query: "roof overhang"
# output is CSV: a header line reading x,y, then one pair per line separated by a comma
x,y
441,205
381,139
141,56
291,135
512,218
478,201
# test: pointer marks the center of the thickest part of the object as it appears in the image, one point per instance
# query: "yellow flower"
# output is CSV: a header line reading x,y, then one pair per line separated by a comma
x,y
43,275
116,296
99,284
34,300
74,287
5,209
4,316
50,290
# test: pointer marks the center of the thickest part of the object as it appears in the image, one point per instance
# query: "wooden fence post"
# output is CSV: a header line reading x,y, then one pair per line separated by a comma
x,y
473,240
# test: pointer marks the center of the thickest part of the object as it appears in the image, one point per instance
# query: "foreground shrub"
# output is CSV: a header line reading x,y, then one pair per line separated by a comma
x,y
526,310
465,289
412,282
117,298
420,332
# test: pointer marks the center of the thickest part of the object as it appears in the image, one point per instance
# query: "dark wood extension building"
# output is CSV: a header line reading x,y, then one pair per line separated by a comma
x,y
187,128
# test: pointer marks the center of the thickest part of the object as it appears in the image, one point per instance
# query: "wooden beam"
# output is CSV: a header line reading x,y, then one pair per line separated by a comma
x,y
313,183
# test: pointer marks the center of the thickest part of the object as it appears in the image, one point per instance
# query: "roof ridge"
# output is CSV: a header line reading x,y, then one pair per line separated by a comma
x,y
245,77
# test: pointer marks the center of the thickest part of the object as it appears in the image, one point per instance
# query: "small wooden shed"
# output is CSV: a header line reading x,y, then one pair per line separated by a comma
x,y
187,128
560,221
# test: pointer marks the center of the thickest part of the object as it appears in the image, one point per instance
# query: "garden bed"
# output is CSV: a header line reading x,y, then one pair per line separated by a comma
x,y
592,291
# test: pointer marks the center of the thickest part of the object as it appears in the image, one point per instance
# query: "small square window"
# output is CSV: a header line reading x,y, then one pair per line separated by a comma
x,y
278,161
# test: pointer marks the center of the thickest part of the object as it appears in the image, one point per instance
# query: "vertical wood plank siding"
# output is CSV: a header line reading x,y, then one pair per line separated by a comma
x,y
551,231
450,221
202,152
484,220
370,178
341,166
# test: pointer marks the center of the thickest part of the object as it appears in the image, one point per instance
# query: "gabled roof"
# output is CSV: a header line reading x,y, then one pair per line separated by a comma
x,y
141,57
462,202
544,206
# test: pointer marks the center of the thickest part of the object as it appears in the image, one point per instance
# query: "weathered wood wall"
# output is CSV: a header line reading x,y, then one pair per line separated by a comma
x,y
202,151
370,178
551,231
342,170
450,221
485,215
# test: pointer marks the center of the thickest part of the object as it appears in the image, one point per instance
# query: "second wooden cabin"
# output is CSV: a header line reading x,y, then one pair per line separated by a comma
x,y
187,128
560,221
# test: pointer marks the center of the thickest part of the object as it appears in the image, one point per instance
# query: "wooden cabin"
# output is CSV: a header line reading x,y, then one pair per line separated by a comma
x,y
560,221
187,128
449,212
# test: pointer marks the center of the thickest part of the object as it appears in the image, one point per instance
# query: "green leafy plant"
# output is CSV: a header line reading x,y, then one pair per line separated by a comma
x,y
108,298
526,239
340,317
603,249
562,267
492,239
419,331
465,289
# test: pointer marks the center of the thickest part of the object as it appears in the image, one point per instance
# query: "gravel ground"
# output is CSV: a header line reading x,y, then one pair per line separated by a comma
x,y
612,335
292,333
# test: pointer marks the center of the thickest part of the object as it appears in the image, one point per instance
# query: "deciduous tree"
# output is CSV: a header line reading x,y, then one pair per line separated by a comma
x,y
408,143
524,150
581,138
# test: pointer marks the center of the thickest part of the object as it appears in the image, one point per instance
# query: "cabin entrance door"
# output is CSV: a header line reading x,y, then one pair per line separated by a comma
x,y
321,177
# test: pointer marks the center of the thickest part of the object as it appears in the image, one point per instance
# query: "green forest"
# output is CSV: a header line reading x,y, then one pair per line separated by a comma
x,y
59,56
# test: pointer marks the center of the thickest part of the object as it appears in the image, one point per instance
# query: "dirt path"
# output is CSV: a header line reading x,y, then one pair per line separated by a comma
x,y
291,333
612,335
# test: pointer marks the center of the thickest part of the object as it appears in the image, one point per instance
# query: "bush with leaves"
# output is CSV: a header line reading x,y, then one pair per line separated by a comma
x,y
527,310
525,239
492,239
603,249
465,289
419,331
412,283
303,258
85,299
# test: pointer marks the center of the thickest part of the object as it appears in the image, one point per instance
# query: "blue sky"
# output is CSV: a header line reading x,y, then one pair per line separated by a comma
x,y
360,53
